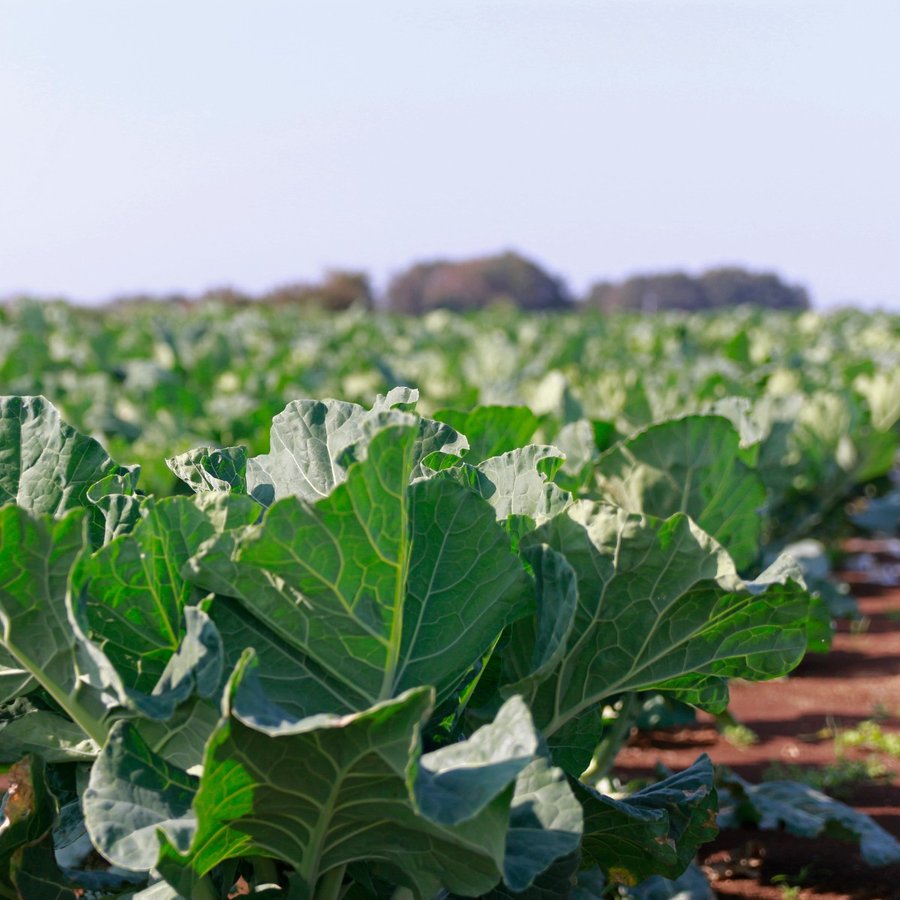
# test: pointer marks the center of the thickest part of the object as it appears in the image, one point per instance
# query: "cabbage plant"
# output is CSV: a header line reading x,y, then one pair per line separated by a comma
x,y
373,662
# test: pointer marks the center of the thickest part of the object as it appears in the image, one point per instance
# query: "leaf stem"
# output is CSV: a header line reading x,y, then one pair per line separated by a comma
x,y
88,723
608,748
328,886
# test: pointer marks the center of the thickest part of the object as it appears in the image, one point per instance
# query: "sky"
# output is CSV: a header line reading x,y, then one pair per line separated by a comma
x,y
169,146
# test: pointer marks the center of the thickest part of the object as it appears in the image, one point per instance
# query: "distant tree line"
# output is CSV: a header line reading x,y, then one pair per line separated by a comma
x,y
714,289
509,279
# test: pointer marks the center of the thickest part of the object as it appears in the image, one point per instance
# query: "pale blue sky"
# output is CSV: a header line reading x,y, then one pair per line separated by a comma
x,y
175,145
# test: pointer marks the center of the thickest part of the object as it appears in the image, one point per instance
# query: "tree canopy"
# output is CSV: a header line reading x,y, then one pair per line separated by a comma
x,y
475,284
714,289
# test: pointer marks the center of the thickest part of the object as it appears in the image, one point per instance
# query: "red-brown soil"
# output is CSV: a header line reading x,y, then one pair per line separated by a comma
x,y
793,718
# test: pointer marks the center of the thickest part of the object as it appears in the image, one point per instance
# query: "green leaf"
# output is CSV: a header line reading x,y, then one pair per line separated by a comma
x,y
117,499
578,444
690,465
806,812
133,794
660,606
655,831
546,825
314,441
517,483
289,677
326,790
538,644
46,465
36,874
54,737
132,590
36,555
554,883
690,885
180,739
44,630
211,469
492,430
382,585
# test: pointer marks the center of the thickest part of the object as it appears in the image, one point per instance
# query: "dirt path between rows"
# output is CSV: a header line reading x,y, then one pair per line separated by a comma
x,y
794,720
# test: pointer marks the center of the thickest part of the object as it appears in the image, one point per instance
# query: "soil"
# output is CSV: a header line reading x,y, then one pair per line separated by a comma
x,y
795,720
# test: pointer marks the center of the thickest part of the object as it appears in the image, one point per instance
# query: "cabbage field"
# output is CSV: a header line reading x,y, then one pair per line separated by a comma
x,y
387,645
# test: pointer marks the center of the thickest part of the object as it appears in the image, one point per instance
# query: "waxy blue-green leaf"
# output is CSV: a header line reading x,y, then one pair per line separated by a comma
x,y
47,466
518,483
383,585
314,441
546,825
691,465
132,793
655,831
557,882
36,555
132,590
119,503
804,811
327,790
290,678
45,629
660,606
692,884
212,469
54,737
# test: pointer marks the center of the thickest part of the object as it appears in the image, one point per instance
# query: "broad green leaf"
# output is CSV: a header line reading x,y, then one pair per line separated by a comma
x,y
491,430
118,501
692,884
655,831
326,790
517,483
313,442
690,465
180,738
44,628
577,443
132,794
660,606
132,590
546,825
539,643
806,812
36,873
36,555
290,678
557,882
46,466
382,585
211,469
54,737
